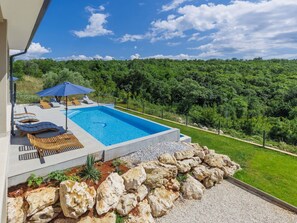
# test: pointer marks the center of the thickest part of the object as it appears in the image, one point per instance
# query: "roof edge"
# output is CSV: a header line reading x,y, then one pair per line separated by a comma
x,y
38,21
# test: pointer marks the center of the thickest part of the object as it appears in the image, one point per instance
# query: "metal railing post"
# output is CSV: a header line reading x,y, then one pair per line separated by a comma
x,y
219,130
264,138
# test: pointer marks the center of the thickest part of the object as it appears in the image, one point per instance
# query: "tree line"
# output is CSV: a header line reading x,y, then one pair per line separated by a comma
x,y
245,95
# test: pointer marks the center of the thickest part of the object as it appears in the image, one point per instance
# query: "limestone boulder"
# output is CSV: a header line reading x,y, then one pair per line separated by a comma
x,y
109,193
184,154
192,188
141,192
41,198
198,150
201,172
158,174
223,162
196,146
214,160
126,204
161,201
183,166
166,158
110,217
199,153
76,198
143,214
66,220
216,176
134,177
208,151
173,184
186,165
45,215
16,212
230,169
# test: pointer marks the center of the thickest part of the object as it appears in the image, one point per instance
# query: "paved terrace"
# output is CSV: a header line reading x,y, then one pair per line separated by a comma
x,y
20,170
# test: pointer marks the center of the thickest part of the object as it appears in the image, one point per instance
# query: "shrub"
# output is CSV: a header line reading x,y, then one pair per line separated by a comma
x,y
61,176
120,219
74,178
34,181
116,164
181,178
57,175
89,171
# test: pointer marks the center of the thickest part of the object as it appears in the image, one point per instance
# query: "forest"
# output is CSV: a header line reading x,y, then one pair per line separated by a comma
x,y
246,96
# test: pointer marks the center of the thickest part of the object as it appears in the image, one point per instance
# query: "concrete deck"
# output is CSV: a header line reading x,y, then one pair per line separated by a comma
x,y
20,170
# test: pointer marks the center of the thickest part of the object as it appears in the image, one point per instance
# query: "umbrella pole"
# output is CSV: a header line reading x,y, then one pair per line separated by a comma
x,y
66,113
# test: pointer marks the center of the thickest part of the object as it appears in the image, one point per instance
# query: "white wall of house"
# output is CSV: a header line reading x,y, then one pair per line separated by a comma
x,y
18,22
4,81
4,117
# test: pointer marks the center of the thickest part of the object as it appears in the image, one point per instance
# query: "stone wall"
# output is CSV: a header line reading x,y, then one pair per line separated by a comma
x,y
145,192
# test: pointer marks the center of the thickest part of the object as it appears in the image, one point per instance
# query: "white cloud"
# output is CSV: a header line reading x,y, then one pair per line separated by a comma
x,y
173,43
84,57
241,28
35,51
135,56
101,8
95,10
108,58
162,56
131,38
173,5
96,24
173,57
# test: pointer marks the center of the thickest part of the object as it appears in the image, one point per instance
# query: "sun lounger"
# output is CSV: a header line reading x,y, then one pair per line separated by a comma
x,y
44,104
75,101
54,103
38,128
69,102
56,143
26,119
24,116
87,100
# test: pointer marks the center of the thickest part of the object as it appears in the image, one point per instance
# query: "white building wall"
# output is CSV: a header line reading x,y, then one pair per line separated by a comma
x,y
4,82
4,118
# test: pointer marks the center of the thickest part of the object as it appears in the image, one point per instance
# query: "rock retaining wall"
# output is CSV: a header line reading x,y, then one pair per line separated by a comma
x,y
145,192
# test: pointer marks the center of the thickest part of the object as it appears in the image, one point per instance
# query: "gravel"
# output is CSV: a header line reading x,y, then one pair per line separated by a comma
x,y
152,152
224,203
227,203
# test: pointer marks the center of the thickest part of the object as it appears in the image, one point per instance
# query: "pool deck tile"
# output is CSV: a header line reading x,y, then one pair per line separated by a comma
x,y
55,115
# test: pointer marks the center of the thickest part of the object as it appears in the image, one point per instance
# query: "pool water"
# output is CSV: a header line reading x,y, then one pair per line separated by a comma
x,y
111,126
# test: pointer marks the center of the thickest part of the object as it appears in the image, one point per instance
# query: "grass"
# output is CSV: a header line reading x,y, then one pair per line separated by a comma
x,y
267,170
27,88
156,110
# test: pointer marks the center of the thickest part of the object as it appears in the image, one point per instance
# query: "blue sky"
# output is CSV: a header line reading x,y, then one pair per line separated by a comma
x,y
177,29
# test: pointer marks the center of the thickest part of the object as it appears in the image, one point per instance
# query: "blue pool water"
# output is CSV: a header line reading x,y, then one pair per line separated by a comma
x,y
111,126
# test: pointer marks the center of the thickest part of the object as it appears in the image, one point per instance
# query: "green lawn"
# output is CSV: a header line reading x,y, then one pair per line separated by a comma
x,y
270,171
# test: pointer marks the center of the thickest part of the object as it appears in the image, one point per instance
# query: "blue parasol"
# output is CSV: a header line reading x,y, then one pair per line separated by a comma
x,y
65,89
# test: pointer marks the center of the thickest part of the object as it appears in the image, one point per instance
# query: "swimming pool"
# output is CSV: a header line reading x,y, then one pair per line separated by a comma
x,y
111,126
